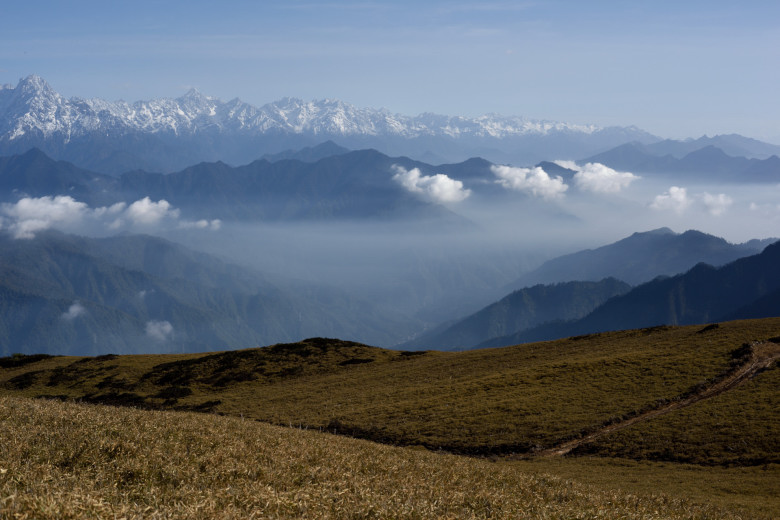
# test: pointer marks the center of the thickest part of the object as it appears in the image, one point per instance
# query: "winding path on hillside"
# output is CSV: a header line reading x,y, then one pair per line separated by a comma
x,y
762,355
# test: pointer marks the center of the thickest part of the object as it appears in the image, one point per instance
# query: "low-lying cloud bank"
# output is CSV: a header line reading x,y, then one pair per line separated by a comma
x,y
438,188
31,215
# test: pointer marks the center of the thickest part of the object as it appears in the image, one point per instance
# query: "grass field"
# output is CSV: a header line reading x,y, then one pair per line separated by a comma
x,y
493,403
67,460
736,428
752,491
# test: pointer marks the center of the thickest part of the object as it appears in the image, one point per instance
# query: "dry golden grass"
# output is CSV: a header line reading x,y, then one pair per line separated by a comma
x,y
494,401
66,460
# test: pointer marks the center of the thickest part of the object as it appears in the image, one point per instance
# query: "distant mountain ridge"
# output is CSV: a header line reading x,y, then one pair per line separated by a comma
x,y
745,288
641,257
166,134
734,145
356,184
708,162
520,310
49,113
569,287
308,154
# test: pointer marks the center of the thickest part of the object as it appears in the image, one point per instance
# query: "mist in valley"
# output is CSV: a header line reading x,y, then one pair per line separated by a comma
x,y
472,231
426,272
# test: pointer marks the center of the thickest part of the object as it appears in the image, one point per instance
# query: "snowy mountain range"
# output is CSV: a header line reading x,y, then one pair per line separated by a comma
x,y
198,127
34,106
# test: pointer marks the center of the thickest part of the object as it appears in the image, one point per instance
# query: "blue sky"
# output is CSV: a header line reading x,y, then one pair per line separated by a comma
x,y
676,69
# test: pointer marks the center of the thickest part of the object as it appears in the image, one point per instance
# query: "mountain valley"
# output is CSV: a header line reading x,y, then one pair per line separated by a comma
x,y
389,260
202,259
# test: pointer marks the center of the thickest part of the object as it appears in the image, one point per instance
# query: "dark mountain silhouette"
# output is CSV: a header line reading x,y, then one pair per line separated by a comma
x,y
522,310
746,288
35,174
353,185
356,184
640,258
766,306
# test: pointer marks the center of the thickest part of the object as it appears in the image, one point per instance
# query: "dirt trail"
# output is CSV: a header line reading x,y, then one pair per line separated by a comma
x,y
762,355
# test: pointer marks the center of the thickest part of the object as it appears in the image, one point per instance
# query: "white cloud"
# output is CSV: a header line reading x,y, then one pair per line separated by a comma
x,y
716,204
31,215
148,213
111,215
201,224
771,211
530,180
438,188
74,311
159,330
676,199
598,178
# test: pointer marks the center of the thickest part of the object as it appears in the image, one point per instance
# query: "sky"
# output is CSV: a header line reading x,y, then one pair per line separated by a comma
x,y
675,69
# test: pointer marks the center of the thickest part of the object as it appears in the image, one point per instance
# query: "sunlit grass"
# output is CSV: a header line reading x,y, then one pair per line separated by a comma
x,y
490,402
67,460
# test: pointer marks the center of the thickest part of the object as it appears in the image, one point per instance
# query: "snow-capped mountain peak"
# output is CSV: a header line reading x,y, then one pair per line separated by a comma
x,y
33,106
34,85
167,133
197,100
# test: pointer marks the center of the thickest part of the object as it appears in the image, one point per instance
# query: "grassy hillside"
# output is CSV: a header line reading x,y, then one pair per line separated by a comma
x,y
754,491
66,460
739,427
497,401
